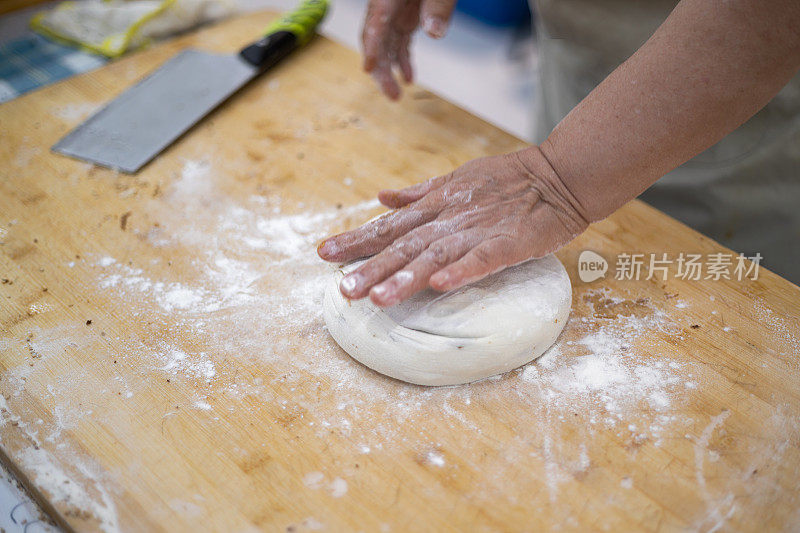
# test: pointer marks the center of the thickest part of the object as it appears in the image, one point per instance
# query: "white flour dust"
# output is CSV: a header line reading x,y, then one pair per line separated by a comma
x,y
26,153
82,487
337,487
720,509
81,494
74,113
435,458
777,324
609,376
227,299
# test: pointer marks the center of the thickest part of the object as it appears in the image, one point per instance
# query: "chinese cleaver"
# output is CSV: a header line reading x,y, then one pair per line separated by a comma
x,y
144,120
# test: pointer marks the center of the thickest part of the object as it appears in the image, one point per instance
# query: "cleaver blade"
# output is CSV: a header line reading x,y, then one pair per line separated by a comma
x,y
135,127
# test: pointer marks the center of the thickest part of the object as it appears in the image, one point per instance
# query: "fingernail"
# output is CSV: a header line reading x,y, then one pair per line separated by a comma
x,y
440,279
436,27
349,284
386,84
378,292
404,277
327,248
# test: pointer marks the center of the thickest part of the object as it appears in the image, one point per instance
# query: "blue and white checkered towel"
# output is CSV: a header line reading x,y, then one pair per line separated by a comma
x,y
32,61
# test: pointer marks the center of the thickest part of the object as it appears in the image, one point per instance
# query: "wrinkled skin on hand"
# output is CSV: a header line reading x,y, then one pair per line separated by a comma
x,y
458,228
387,32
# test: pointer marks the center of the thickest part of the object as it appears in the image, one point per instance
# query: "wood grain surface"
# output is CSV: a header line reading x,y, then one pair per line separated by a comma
x,y
7,6
165,365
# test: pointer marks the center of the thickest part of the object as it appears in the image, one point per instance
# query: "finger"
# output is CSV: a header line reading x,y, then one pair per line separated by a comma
x,y
436,16
386,83
415,276
375,235
486,258
370,42
396,198
404,60
374,32
382,74
391,259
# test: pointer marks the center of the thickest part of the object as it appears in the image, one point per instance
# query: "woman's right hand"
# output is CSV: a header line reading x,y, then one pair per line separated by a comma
x,y
386,37
454,229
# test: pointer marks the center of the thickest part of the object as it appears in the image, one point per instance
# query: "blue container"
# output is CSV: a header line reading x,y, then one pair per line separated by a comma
x,y
497,12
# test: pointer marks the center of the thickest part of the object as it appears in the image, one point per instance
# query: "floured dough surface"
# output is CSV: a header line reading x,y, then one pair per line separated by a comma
x,y
486,328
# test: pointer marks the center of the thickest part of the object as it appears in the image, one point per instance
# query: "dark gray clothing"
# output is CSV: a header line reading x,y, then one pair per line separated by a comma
x,y
743,192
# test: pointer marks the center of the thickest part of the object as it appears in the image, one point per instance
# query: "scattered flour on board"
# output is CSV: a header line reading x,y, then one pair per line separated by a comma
x,y
205,406
195,179
720,508
249,293
26,153
74,113
338,487
435,458
611,382
314,480
777,324
610,378
86,495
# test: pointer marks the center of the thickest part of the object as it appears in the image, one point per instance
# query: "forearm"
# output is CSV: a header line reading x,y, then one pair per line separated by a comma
x,y
708,68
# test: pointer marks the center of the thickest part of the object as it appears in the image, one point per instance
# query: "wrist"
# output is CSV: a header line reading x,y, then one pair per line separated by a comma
x,y
551,189
593,184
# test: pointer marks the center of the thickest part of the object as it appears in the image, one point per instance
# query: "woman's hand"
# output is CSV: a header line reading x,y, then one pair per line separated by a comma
x,y
455,229
387,34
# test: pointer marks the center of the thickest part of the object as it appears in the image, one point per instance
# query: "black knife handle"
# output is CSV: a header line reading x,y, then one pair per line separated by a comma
x,y
288,32
270,49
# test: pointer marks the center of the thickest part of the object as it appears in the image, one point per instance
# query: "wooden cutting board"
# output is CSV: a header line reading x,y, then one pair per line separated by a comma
x,y
165,365
13,5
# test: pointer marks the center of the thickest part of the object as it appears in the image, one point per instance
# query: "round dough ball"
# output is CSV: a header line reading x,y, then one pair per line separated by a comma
x,y
488,327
